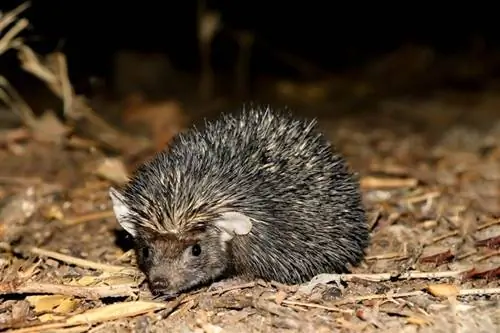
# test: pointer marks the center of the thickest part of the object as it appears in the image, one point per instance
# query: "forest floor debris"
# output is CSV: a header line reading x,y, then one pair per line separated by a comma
x,y
433,264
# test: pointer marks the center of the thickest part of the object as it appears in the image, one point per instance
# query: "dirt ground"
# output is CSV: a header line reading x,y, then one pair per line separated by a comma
x,y
433,264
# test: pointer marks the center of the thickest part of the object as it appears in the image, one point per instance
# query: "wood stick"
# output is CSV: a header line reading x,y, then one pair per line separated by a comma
x,y
93,292
84,263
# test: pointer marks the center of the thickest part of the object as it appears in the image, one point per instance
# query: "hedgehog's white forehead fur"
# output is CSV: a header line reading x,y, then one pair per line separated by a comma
x,y
216,170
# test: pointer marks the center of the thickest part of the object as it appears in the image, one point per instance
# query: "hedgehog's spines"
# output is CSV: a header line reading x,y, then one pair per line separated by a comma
x,y
278,170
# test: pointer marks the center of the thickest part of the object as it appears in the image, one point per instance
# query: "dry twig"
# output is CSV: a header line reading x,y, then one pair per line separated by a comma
x,y
387,256
463,292
391,276
10,96
317,306
236,287
357,299
89,217
54,73
99,315
8,39
457,232
88,292
11,16
84,263
370,182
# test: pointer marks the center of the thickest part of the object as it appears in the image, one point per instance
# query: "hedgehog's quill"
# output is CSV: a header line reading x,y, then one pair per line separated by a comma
x,y
260,194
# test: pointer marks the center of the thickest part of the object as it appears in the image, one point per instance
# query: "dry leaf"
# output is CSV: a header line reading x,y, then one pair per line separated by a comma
x,y
280,297
209,328
29,271
20,310
112,169
436,255
417,321
48,128
16,212
488,271
115,311
369,316
119,280
443,290
85,281
67,305
429,224
492,242
53,212
11,136
48,317
45,303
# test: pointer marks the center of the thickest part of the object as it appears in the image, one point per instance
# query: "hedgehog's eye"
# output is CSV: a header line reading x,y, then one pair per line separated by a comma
x,y
145,252
196,250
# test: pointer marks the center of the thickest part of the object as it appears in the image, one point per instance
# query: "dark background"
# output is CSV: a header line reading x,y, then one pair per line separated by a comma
x,y
332,35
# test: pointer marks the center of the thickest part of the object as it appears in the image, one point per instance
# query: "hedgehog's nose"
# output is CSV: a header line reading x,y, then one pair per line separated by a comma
x,y
159,285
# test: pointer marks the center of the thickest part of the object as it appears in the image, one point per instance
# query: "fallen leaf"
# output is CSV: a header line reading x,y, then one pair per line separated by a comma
x,y
115,311
29,271
280,297
411,317
429,224
443,290
82,143
209,328
112,169
67,305
119,280
20,310
348,324
436,255
53,212
85,281
11,136
417,321
48,317
492,242
48,128
369,316
484,272
16,212
45,303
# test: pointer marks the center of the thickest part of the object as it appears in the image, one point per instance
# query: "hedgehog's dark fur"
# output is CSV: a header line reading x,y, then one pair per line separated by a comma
x,y
279,171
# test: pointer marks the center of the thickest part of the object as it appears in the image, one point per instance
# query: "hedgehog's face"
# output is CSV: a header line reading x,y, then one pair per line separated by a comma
x,y
177,262
173,264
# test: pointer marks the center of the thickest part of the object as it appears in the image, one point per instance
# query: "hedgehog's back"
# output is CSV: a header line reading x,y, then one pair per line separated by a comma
x,y
278,170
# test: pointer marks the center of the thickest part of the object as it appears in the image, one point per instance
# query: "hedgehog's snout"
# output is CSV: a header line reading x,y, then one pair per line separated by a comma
x,y
161,290
159,282
159,285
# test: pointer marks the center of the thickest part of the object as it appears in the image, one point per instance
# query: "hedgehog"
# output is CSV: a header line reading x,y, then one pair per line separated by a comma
x,y
255,194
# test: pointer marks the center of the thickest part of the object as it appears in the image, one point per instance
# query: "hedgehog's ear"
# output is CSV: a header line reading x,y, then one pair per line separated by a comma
x,y
233,223
122,211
